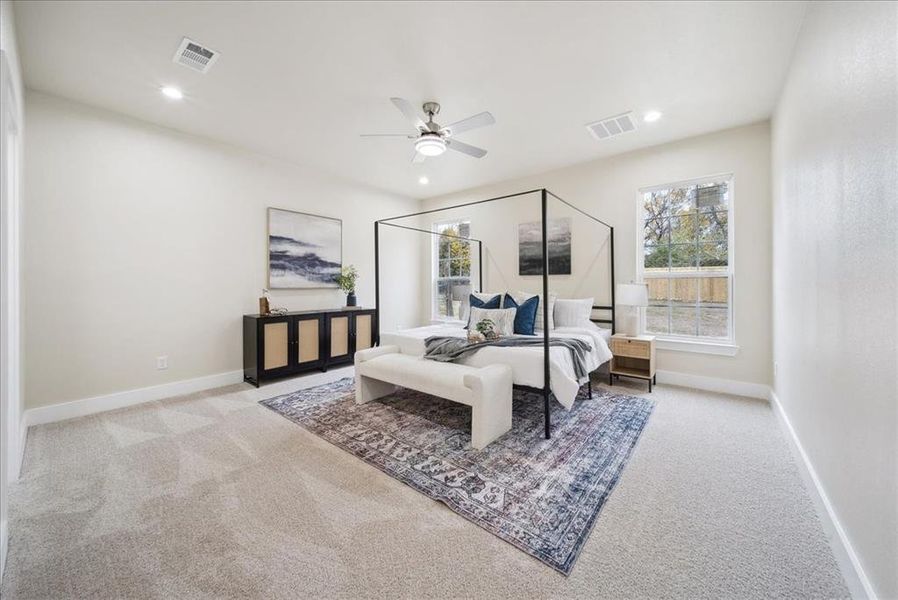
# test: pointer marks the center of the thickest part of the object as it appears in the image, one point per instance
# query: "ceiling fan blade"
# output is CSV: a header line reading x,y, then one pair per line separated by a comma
x,y
480,120
466,148
418,158
405,135
409,111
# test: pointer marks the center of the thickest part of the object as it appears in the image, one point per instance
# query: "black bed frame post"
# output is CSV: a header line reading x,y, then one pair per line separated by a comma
x,y
480,264
613,320
377,282
545,243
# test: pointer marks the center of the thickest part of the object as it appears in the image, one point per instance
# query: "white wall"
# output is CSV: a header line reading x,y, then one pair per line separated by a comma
x,y
11,136
835,264
608,188
142,242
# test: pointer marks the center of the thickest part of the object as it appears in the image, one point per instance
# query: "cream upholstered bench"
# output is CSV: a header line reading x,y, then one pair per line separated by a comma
x,y
487,390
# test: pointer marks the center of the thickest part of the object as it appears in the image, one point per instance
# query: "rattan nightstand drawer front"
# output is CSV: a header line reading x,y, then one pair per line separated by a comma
x,y
631,348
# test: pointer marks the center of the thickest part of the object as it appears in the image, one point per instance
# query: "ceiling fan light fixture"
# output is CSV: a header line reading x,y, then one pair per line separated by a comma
x,y
430,145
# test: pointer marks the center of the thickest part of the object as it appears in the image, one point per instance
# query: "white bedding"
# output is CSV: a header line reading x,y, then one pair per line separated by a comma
x,y
526,363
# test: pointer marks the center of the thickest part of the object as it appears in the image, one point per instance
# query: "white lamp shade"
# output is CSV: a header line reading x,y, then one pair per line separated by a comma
x,y
632,294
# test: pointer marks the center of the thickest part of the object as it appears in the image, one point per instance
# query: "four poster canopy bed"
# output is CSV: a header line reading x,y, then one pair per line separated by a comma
x,y
559,346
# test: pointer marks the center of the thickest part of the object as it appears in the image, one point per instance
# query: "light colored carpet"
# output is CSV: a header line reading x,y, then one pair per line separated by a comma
x,y
214,496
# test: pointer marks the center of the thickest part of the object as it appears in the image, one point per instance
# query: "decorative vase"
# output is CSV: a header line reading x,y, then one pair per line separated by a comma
x,y
350,299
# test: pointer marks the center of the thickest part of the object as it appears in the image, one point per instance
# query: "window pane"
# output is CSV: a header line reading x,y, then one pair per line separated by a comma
x,y
656,204
683,229
444,268
443,247
657,258
713,256
683,256
442,299
683,299
713,307
713,226
657,315
682,201
657,230
711,196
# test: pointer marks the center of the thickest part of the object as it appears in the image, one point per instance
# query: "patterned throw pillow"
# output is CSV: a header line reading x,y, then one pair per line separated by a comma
x,y
477,300
525,319
502,317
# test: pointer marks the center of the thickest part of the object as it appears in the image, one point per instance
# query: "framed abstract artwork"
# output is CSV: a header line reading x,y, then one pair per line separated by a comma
x,y
304,251
530,249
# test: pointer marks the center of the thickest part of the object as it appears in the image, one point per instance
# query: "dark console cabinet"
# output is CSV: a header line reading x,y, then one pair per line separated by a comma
x,y
281,345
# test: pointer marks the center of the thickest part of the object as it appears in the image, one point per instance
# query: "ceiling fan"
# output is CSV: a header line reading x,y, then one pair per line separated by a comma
x,y
431,139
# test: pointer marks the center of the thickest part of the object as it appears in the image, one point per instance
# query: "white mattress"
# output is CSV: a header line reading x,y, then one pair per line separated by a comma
x,y
526,363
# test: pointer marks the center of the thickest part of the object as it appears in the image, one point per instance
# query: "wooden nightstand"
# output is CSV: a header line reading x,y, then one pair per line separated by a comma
x,y
634,356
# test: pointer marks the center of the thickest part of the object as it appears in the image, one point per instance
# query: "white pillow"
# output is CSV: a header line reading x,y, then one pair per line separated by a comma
x,y
573,313
521,297
484,296
502,317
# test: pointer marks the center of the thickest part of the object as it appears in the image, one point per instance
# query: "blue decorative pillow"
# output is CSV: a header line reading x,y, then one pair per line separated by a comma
x,y
525,318
476,302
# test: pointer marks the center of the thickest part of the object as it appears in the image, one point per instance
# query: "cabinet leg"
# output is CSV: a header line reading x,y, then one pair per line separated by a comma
x,y
610,379
655,379
650,386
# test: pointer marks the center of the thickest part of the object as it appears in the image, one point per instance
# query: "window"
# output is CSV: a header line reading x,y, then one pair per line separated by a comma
x,y
452,268
687,260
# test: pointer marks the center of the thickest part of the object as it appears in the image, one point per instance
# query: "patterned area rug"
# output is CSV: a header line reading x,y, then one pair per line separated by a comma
x,y
542,496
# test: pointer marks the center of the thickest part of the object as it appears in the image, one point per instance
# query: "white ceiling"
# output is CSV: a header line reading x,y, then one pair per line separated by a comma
x,y
300,81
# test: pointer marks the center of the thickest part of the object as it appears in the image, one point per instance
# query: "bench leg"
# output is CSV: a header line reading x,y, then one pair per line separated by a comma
x,y
368,389
490,419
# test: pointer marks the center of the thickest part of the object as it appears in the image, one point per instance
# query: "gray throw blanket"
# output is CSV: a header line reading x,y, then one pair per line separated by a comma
x,y
450,349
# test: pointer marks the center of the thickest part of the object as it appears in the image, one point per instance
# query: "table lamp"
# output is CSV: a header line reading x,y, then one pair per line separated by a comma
x,y
635,295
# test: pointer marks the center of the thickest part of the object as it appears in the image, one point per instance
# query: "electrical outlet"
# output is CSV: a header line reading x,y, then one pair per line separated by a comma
x,y
161,362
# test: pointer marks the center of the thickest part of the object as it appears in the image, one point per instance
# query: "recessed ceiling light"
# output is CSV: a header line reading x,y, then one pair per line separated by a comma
x,y
172,92
651,116
423,180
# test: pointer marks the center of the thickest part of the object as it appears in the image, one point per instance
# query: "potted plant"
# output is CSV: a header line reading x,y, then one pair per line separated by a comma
x,y
487,328
346,280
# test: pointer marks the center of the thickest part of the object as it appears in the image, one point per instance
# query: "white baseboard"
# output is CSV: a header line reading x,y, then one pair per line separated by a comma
x,y
714,384
855,577
15,467
4,547
89,406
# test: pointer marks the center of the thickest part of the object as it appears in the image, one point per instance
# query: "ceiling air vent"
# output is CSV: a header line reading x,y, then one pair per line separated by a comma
x,y
612,126
190,54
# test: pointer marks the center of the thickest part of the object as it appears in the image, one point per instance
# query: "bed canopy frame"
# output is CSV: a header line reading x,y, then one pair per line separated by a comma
x,y
544,200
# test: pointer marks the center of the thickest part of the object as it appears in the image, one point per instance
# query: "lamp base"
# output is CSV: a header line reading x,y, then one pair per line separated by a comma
x,y
630,325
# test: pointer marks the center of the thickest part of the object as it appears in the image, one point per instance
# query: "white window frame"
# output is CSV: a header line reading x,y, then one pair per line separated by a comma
x,y
435,316
691,343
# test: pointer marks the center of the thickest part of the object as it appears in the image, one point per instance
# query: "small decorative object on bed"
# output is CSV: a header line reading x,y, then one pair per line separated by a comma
x,y
304,251
346,280
487,329
530,247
